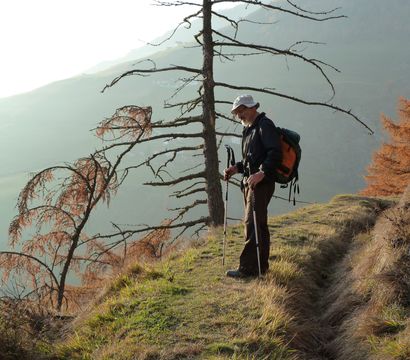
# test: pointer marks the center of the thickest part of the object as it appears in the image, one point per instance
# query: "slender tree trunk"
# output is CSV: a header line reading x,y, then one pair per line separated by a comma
x,y
66,268
213,183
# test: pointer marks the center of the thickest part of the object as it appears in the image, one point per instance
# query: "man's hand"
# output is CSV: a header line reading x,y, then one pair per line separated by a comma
x,y
228,172
256,178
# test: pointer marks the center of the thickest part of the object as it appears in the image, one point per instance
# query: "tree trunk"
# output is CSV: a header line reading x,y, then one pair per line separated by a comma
x,y
64,272
213,183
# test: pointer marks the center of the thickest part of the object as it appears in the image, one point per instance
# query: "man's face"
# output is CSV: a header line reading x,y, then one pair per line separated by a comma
x,y
245,114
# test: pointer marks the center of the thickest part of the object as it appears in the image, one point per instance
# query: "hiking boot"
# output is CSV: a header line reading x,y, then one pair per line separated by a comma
x,y
237,274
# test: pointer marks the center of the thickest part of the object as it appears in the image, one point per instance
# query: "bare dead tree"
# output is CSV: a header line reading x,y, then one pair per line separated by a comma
x,y
219,44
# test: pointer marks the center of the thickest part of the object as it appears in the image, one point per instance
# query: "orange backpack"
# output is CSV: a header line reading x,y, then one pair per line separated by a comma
x,y
286,173
291,154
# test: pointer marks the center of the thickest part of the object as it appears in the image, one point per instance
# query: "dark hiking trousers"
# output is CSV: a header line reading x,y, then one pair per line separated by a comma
x,y
248,262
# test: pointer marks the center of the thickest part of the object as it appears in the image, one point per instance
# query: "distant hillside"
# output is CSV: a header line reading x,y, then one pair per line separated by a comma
x,y
51,125
333,291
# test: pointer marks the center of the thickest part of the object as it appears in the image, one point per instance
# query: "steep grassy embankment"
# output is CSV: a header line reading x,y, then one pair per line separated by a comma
x,y
368,303
186,308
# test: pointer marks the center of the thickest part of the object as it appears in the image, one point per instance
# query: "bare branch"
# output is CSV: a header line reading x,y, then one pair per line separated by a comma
x,y
276,51
150,71
232,56
229,118
186,106
128,233
43,264
257,22
232,22
175,3
235,23
312,12
312,103
272,7
178,180
186,21
174,151
192,168
185,83
194,191
181,193
177,122
168,136
183,210
228,134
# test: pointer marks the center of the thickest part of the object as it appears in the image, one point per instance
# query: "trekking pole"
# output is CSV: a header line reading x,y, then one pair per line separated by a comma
x,y
232,162
255,225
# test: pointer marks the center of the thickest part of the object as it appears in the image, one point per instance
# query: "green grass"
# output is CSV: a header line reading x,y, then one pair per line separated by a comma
x,y
185,307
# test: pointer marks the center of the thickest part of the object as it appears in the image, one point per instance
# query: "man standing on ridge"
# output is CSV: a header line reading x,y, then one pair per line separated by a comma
x,y
261,152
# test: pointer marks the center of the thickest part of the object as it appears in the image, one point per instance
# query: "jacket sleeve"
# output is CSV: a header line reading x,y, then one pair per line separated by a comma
x,y
271,143
239,166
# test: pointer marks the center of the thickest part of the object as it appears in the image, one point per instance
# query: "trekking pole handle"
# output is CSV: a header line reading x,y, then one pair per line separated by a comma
x,y
231,156
228,159
233,162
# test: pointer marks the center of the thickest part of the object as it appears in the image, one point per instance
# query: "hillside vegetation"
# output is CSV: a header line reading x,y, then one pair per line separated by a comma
x,y
336,289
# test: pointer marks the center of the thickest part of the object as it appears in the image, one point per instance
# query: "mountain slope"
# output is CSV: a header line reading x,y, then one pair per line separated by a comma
x,y
185,308
51,125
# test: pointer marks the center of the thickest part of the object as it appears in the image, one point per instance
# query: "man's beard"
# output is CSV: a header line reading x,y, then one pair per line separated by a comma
x,y
245,123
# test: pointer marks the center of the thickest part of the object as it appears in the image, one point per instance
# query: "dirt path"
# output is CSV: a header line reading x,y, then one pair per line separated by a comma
x,y
322,315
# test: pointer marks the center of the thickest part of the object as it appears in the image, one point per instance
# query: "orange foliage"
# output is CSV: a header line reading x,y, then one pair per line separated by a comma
x,y
151,246
389,173
57,202
128,123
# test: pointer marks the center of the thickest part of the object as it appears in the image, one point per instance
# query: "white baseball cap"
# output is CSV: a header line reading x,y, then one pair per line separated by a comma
x,y
246,100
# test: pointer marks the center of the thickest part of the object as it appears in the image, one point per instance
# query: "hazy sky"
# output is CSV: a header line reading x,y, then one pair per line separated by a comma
x,y
46,40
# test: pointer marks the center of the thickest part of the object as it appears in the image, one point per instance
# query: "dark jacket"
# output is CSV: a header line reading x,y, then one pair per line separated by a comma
x,y
261,148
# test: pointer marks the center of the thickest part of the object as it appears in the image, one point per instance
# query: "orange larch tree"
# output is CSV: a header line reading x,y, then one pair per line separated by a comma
x,y
389,173
57,203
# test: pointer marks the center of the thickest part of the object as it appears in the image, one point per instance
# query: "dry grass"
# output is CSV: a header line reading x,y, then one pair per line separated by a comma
x,y
185,308
370,299
26,330
198,313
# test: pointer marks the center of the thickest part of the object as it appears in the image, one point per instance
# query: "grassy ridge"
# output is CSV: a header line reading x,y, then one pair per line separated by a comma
x,y
369,305
185,307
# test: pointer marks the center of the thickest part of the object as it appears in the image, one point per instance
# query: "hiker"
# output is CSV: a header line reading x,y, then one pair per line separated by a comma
x,y
261,154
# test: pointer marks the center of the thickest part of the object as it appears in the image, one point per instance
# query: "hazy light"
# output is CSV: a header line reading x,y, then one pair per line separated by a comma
x,y
48,40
